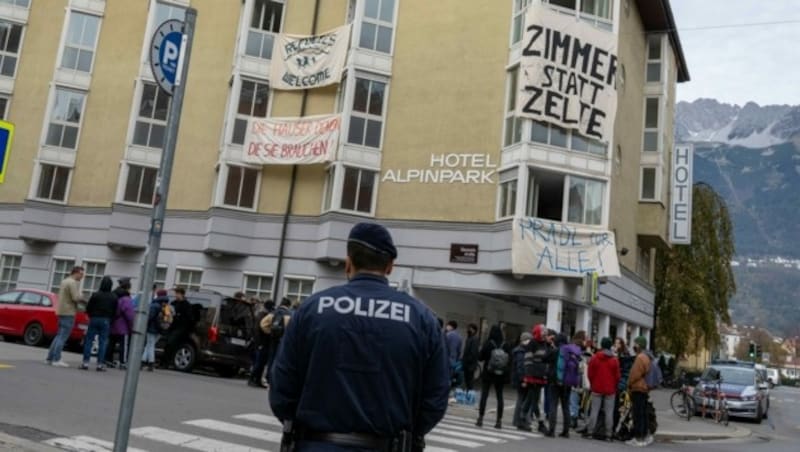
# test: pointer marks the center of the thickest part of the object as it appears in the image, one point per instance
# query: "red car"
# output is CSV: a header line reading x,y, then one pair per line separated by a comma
x,y
31,314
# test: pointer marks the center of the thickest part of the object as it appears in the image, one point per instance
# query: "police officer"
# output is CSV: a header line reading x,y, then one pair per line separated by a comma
x,y
361,365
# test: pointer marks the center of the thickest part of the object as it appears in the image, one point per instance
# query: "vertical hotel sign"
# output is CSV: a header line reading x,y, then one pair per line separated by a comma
x,y
567,73
680,210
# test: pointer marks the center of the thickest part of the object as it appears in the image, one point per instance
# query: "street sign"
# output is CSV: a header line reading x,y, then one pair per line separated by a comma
x,y
165,51
6,137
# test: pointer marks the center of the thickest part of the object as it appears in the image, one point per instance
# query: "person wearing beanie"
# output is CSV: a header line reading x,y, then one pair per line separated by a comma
x,y
604,374
121,325
518,381
637,385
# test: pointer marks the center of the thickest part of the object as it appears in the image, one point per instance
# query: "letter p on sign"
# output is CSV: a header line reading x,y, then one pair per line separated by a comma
x,y
171,52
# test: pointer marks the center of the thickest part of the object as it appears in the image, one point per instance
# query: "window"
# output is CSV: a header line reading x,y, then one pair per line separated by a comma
x,y
507,199
141,184
65,119
10,297
93,274
188,279
595,12
3,107
31,299
266,21
654,58
160,278
53,182
651,141
10,38
298,289
585,201
358,189
81,39
259,286
9,271
253,99
377,25
166,11
366,120
553,135
241,187
61,269
513,124
327,199
545,198
599,8
151,121
518,22
20,3
648,184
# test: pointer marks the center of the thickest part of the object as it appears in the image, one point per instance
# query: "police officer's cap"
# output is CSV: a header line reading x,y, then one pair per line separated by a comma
x,y
374,237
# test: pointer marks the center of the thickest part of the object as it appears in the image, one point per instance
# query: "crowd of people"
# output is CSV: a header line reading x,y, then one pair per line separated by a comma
x,y
551,373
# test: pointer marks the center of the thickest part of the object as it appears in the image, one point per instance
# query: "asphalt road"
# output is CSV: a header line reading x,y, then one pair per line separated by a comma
x,y
77,410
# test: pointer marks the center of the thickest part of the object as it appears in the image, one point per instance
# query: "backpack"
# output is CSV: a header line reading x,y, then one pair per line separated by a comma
x,y
568,368
277,326
498,360
654,377
165,317
265,324
535,366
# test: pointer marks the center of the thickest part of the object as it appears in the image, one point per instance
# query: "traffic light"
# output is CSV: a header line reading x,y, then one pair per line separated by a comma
x,y
752,350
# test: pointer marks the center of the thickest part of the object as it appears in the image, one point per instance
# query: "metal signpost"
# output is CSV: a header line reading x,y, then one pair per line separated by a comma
x,y
171,49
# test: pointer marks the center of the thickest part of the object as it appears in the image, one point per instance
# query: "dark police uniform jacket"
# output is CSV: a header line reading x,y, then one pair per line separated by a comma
x,y
360,358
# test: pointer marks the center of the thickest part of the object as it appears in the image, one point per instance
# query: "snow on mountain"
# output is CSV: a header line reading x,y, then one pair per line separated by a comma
x,y
750,126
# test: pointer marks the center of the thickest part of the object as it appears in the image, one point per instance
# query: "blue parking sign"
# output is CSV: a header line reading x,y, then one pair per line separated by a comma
x,y
6,137
165,51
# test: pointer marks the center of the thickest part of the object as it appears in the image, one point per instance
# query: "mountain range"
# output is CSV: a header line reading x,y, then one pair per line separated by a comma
x,y
750,155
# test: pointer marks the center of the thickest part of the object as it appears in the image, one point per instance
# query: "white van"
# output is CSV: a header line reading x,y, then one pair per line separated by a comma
x,y
773,377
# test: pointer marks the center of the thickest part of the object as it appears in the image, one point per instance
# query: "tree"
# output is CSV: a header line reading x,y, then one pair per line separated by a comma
x,y
694,282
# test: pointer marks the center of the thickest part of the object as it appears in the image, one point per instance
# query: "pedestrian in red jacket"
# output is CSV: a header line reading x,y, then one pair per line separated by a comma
x,y
604,374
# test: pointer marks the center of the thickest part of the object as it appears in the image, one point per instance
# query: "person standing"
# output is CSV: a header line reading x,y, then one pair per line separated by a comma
x,y
181,327
637,385
262,342
495,356
579,339
159,319
122,325
101,309
536,371
277,322
518,355
565,362
625,363
361,365
453,342
69,301
470,357
604,375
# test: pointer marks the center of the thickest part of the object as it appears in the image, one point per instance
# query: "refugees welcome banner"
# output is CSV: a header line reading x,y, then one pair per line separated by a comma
x,y
288,141
567,73
305,62
544,247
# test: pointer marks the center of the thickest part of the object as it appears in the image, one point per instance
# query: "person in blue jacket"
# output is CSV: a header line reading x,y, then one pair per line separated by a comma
x,y
361,364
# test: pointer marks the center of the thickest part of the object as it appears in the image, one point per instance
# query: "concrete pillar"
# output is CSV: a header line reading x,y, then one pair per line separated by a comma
x,y
604,326
646,333
583,320
554,315
635,331
622,331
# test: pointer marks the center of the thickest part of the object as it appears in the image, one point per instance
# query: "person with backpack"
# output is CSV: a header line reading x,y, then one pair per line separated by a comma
x,y
564,376
604,374
122,326
580,340
518,355
536,370
159,319
262,343
276,322
495,355
637,385
181,328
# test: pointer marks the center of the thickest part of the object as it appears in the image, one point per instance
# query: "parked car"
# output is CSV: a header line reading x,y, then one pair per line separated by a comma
x,y
30,314
221,339
746,392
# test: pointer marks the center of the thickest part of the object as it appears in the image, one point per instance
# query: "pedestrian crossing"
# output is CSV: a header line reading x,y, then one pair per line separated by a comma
x,y
256,432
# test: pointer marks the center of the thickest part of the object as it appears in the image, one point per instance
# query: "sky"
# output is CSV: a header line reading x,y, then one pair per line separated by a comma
x,y
759,63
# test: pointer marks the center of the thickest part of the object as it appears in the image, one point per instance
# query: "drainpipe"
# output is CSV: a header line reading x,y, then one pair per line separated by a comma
x,y
292,182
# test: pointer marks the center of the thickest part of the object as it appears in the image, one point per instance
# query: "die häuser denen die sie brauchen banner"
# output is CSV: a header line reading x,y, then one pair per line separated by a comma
x,y
567,73
305,62
285,141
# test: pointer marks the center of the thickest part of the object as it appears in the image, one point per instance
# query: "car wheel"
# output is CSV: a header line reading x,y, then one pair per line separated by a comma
x,y
759,415
33,334
185,357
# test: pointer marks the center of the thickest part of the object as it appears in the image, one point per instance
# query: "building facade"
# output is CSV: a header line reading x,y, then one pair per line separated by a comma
x,y
430,146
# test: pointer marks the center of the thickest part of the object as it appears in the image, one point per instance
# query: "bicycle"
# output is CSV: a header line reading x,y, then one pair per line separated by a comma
x,y
682,401
715,402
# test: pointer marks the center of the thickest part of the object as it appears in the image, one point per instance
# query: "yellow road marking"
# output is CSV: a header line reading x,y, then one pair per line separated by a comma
x,y
6,366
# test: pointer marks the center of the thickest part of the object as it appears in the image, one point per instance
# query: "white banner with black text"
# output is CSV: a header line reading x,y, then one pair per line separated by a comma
x,y
305,62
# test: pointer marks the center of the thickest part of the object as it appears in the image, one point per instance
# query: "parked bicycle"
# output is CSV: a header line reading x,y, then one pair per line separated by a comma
x,y
682,401
714,402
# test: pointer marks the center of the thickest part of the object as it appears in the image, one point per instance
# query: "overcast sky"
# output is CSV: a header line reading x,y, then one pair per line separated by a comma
x,y
740,64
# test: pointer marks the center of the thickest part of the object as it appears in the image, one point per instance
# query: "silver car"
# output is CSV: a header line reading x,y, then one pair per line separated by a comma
x,y
746,392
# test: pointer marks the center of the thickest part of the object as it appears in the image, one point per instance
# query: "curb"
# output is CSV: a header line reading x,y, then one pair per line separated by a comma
x,y
16,444
738,433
